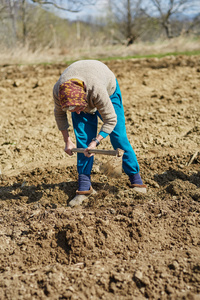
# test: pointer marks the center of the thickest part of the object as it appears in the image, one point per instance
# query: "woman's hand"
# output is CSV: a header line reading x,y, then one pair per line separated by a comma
x,y
69,145
91,146
68,142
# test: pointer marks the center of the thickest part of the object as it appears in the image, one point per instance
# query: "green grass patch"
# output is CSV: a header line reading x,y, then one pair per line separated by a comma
x,y
187,53
109,58
160,55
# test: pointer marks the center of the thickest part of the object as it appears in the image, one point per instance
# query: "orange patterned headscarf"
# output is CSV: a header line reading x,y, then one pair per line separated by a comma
x,y
72,92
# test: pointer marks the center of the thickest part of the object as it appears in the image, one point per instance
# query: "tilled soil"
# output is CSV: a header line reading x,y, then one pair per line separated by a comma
x,y
120,244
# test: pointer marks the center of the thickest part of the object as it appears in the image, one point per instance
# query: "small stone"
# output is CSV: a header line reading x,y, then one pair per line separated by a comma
x,y
169,289
112,211
138,275
174,265
162,110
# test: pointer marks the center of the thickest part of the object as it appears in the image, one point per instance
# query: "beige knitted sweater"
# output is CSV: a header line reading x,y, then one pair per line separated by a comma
x,y
100,84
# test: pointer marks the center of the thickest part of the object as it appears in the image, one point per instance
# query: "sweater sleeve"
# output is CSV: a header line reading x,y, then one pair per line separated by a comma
x,y
104,106
60,115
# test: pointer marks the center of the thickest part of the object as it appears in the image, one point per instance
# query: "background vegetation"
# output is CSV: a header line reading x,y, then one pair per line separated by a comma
x,y
126,27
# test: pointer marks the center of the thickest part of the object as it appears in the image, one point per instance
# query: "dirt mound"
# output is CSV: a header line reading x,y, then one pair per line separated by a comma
x,y
120,244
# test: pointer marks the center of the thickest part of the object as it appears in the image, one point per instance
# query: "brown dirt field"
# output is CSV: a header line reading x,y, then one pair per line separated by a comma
x,y
120,244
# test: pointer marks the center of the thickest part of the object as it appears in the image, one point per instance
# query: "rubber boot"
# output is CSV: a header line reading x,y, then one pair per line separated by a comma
x,y
141,188
81,196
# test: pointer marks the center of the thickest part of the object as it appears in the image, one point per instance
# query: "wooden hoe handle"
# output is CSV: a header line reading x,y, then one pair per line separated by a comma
x,y
118,152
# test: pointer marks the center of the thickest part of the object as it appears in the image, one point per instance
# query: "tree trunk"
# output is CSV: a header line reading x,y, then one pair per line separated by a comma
x,y
167,27
12,16
24,22
129,20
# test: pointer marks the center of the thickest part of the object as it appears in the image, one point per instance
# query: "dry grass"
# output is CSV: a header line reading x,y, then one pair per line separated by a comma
x,y
22,55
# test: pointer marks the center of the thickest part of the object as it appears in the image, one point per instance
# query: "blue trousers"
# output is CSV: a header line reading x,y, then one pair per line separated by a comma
x,y
85,129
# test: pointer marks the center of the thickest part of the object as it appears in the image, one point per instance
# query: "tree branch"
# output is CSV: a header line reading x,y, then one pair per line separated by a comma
x,y
71,4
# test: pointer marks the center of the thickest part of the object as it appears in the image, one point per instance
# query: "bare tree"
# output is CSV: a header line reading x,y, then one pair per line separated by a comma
x,y
124,13
195,24
170,8
14,16
7,12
